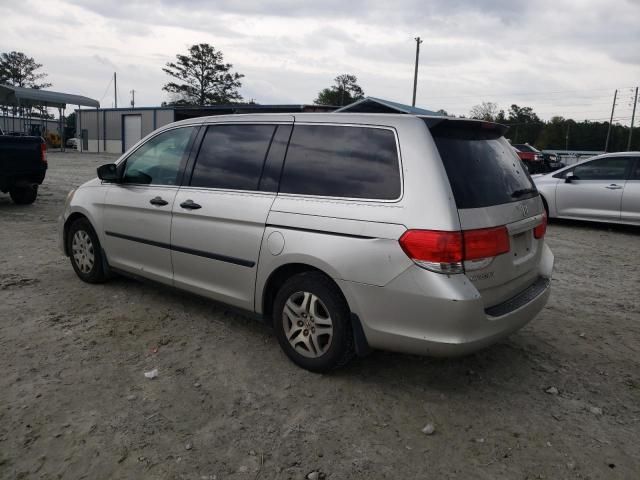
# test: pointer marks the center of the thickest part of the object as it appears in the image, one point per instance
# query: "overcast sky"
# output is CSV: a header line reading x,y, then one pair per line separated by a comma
x,y
562,57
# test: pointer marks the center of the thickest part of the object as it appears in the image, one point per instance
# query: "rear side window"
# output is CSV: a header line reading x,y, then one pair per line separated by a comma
x,y
342,161
614,168
482,167
232,156
635,172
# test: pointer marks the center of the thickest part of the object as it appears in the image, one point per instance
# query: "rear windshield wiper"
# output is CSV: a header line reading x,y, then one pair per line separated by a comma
x,y
523,191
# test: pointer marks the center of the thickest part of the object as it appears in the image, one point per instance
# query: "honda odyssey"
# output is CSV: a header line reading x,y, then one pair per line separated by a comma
x,y
346,232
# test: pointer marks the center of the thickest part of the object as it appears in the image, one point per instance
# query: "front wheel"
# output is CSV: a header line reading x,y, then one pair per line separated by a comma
x,y
24,195
85,252
312,322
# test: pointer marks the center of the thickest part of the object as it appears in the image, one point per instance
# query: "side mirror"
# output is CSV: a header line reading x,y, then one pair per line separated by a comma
x,y
570,178
108,173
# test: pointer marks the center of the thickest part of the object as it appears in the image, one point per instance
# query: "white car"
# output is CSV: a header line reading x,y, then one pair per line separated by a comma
x,y
605,188
73,143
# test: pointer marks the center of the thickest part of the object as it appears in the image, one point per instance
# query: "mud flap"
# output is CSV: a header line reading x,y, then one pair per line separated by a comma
x,y
359,338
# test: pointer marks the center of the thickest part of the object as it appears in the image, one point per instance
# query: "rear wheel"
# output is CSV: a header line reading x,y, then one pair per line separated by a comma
x,y
24,195
85,252
544,204
312,322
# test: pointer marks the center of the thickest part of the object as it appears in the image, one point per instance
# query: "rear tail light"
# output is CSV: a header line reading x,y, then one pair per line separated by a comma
x,y
541,229
43,153
447,252
485,243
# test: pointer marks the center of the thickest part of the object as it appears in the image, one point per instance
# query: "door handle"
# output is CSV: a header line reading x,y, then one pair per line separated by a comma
x,y
190,205
158,201
613,186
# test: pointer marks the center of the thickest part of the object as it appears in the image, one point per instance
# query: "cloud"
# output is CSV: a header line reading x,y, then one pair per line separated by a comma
x,y
507,51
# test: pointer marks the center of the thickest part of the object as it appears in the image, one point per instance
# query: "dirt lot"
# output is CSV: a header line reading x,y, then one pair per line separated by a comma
x,y
74,402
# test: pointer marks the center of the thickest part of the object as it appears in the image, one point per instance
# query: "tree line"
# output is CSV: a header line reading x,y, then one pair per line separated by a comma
x,y
202,77
558,133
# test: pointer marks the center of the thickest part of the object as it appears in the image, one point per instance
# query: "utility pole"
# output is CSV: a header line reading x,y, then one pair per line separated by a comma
x,y
613,107
415,73
633,117
115,90
133,99
566,143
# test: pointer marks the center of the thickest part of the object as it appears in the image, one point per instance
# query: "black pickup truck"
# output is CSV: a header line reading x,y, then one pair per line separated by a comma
x,y
23,164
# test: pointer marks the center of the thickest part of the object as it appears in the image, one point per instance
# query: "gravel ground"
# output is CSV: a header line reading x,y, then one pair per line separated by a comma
x,y
559,399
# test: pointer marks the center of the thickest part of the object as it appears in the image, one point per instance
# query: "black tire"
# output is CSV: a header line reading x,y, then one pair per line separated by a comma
x,y
546,207
340,350
24,195
95,273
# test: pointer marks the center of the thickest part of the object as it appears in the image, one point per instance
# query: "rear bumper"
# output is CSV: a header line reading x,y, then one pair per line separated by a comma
x,y
24,179
426,313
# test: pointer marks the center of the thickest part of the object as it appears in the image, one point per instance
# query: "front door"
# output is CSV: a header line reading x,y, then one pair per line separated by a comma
x,y
137,211
219,216
595,191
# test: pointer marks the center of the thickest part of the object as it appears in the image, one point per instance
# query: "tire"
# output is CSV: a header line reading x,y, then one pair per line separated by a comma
x,y
85,252
312,322
546,207
24,195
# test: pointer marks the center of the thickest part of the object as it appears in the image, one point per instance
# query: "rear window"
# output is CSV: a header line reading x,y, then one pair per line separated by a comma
x,y
525,148
482,167
342,161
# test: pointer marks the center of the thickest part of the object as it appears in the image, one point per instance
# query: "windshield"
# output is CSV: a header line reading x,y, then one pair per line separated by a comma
x,y
482,167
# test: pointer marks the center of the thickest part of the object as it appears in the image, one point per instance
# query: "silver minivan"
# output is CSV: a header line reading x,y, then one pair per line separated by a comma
x,y
346,232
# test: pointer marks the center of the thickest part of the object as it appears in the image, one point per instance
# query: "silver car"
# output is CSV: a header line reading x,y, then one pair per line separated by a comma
x,y
346,232
605,188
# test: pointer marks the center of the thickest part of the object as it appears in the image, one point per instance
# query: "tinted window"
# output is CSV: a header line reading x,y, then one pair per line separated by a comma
x,y
603,169
482,167
635,173
232,156
337,161
273,165
158,161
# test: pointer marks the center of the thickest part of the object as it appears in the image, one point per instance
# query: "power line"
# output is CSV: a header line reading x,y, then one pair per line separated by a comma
x,y
558,92
106,89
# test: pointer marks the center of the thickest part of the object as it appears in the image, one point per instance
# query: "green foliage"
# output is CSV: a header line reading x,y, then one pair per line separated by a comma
x,y
18,70
560,133
203,78
524,123
345,91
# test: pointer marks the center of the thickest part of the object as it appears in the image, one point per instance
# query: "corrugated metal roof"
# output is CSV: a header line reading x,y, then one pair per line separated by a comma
x,y
10,95
371,104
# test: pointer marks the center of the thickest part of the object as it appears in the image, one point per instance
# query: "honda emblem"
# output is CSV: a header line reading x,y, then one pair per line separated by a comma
x,y
524,209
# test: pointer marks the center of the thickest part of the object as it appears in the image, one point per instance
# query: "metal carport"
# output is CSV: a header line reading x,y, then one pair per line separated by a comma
x,y
31,97
379,105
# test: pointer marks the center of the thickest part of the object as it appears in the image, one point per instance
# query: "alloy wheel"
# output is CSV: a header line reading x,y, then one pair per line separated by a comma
x,y
307,324
82,251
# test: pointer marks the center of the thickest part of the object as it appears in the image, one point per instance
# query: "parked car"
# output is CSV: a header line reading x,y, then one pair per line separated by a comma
x,y
23,165
73,143
346,232
537,161
604,188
